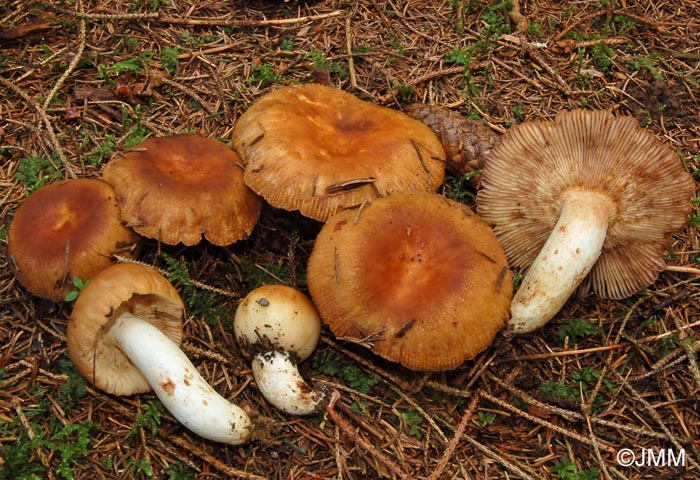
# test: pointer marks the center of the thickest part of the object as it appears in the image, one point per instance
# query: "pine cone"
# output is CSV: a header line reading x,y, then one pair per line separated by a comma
x,y
467,143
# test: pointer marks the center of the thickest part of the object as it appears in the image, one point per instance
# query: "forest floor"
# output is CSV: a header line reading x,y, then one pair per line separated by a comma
x,y
604,383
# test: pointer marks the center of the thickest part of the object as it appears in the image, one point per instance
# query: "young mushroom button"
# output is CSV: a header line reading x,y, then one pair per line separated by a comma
x,y
278,326
123,336
596,195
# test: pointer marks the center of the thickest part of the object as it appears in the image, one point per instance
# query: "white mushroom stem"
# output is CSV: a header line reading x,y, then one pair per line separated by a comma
x,y
282,385
566,258
178,384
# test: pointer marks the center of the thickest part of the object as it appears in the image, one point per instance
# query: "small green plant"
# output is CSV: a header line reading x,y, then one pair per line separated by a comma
x,y
168,59
648,63
194,41
517,280
200,302
102,152
79,286
668,344
177,471
264,74
132,127
140,466
397,50
150,417
19,460
287,45
74,387
35,172
565,469
463,57
331,363
535,30
603,57
459,189
133,65
495,19
580,382
486,418
257,274
72,443
130,43
320,61
694,218
576,330
68,445
413,420
559,389
405,91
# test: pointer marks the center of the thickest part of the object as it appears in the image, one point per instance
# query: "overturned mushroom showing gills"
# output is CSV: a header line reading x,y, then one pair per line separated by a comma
x,y
588,200
124,336
418,278
179,188
318,149
278,326
65,230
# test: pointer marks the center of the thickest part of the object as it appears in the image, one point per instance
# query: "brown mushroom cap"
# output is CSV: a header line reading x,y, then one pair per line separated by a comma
x,y
318,149
178,188
418,277
64,230
123,287
536,162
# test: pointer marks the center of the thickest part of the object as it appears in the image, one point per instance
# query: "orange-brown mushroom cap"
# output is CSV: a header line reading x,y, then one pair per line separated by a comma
x,y
180,187
416,276
536,162
64,230
318,149
123,287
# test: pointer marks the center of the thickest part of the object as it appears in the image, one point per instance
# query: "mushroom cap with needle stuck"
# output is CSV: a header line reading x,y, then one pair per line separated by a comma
x,y
418,278
318,149
179,188
64,230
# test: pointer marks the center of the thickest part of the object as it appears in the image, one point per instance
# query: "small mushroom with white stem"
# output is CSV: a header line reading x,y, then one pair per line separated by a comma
x,y
278,327
124,336
596,195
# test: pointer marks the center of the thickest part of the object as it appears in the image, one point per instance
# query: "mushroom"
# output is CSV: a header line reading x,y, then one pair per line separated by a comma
x,y
123,336
278,327
416,277
318,149
64,230
179,188
596,195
